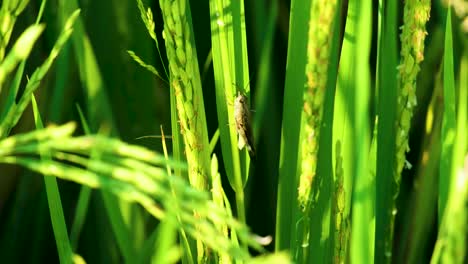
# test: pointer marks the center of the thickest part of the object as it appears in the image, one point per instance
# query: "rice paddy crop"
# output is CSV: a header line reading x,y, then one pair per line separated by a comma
x,y
175,131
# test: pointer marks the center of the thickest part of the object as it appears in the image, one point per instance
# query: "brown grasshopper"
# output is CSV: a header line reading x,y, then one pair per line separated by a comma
x,y
244,124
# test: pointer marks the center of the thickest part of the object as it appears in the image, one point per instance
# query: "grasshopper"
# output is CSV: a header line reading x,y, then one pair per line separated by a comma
x,y
244,124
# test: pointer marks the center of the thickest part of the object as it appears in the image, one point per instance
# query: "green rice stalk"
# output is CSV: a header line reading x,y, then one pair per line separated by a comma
x,y
231,74
9,11
452,238
165,247
14,86
447,171
340,220
316,180
65,251
130,173
416,15
453,174
318,59
318,54
185,81
143,64
355,80
147,18
15,112
386,85
218,198
20,51
287,210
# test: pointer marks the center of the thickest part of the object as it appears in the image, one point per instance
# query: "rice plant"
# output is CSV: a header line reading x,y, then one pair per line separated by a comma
x,y
221,131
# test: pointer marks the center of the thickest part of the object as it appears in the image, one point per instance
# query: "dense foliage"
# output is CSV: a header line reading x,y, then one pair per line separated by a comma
x,y
122,138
